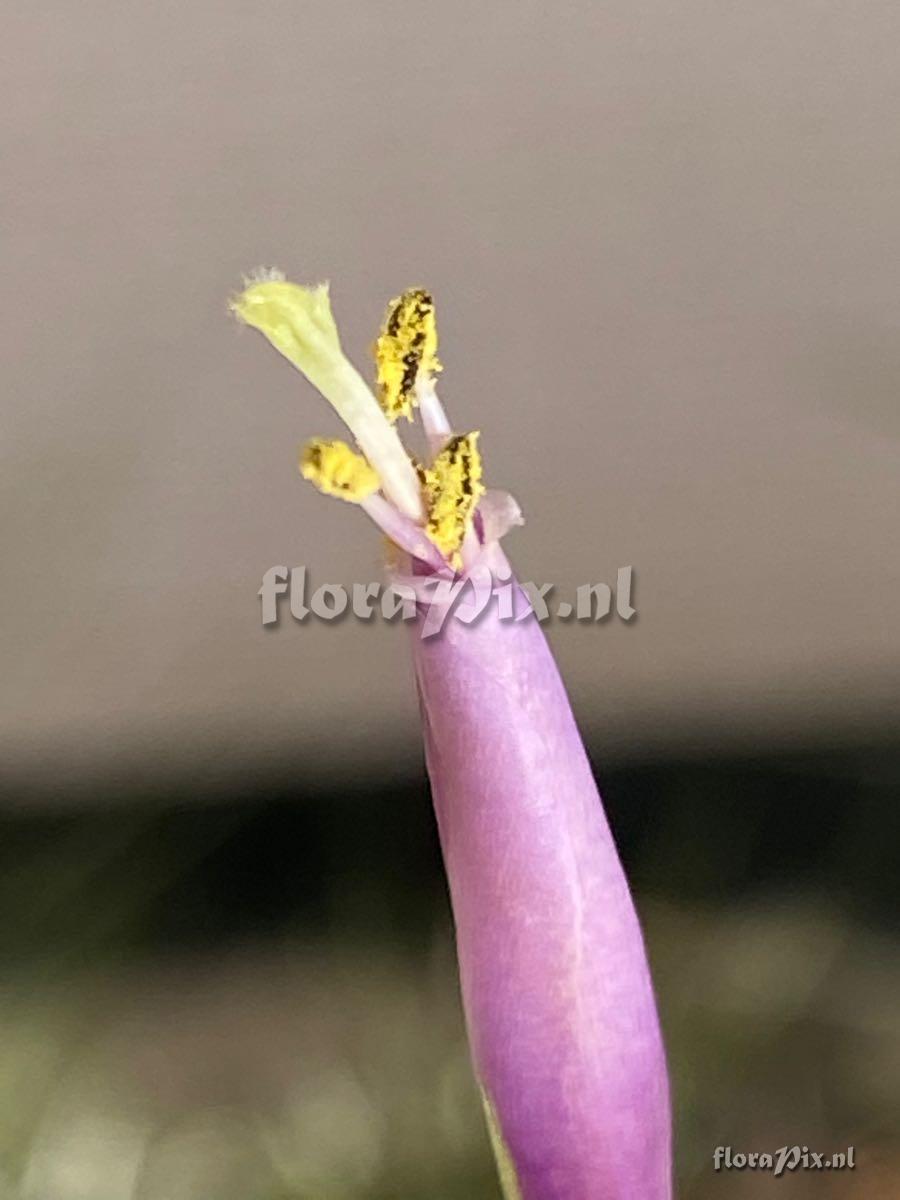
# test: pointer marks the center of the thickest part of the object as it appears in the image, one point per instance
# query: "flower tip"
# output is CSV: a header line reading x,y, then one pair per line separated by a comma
x,y
238,301
297,320
267,294
264,275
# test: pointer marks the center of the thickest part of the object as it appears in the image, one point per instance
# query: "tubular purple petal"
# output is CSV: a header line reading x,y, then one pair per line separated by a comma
x,y
559,1004
556,989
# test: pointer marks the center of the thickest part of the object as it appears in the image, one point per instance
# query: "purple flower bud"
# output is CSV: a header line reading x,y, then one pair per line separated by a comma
x,y
557,994
559,1005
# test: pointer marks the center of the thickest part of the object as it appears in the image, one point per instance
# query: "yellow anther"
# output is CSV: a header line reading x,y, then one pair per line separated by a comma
x,y
406,346
337,470
452,487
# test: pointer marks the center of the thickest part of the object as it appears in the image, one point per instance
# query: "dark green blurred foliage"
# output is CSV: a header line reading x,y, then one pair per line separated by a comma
x,y
252,994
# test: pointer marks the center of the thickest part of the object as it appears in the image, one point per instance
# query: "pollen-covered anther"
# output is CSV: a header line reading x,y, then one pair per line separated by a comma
x,y
406,348
452,487
337,470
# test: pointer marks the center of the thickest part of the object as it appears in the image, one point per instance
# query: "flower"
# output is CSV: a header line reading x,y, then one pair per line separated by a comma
x,y
556,989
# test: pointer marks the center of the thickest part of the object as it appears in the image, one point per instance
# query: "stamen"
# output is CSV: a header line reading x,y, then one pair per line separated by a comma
x,y
337,470
299,323
434,419
453,487
402,532
406,350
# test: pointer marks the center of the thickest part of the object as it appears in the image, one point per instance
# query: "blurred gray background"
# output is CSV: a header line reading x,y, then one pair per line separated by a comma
x,y
664,242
